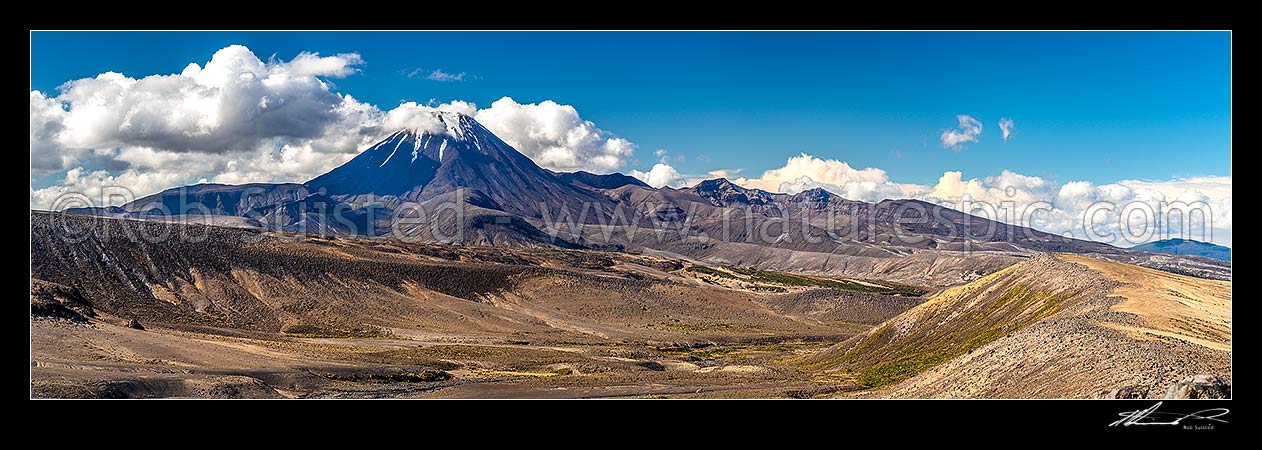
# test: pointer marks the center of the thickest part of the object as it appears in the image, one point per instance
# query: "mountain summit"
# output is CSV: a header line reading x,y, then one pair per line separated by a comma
x,y
451,163
459,153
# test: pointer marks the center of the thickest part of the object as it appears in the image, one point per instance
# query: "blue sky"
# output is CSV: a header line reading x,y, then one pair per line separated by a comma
x,y
1098,116
1088,106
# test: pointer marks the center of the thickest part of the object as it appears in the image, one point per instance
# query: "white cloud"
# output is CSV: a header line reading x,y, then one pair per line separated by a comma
x,y
238,119
661,174
804,172
234,118
82,188
439,75
436,75
722,173
1007,127
421,118
1010,194
233,103
1214,190
312,64
555,137
969,130
47,119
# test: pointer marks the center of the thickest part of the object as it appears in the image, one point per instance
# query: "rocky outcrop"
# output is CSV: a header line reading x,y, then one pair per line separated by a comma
x,y
55,301
1200,386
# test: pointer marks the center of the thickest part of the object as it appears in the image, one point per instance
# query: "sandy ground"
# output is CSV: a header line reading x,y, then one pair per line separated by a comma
x,y
1194,310
1121,326
104,359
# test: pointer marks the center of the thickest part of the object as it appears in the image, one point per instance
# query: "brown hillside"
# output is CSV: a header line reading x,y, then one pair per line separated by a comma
x,y
1055,326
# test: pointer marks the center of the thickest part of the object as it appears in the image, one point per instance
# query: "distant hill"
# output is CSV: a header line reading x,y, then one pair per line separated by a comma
x,y
455,182
1187,247
609,181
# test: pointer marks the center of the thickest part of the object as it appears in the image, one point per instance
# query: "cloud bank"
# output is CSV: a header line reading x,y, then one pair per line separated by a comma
x,y
804,172
1031,201
236,118
555,137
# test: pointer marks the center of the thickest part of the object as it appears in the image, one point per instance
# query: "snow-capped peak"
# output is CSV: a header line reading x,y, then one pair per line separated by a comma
x,y
453,124
435,136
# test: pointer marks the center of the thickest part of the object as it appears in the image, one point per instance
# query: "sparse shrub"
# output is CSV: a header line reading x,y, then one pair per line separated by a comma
x,y
711,271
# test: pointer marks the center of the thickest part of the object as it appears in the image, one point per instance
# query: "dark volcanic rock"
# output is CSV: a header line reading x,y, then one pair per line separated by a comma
x,y
56,301
721,192
54,310
1200,386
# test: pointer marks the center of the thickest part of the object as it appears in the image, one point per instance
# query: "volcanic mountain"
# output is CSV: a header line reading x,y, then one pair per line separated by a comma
x,y
419,165
455,182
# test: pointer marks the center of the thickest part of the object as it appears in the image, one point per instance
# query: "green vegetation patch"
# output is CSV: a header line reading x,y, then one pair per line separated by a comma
x,y
902,369
317,332
711,271
772,278
899,288
887,361
788,279
717,351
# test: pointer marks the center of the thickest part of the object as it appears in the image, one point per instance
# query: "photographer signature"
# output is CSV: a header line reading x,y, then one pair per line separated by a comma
x,y
1151,416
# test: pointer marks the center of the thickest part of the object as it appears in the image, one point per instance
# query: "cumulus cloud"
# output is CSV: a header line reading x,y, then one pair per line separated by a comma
x,y
968,131
722,173
47,122
233,103
1126,211
420,117
312,64
804,172
234,117
551,134
1216,191
555,137
237,119
1007,127
661,174
81,188
1027,200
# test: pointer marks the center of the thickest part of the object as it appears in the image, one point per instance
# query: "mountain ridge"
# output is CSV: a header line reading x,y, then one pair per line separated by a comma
x,y
1178,246
458,183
